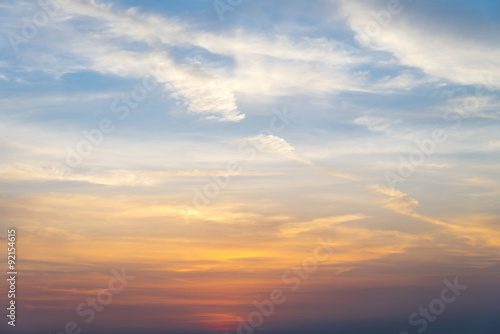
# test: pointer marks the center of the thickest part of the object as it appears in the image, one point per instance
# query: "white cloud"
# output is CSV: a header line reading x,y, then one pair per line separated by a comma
x,y
376,124
404,80
264,64
274,144
440,52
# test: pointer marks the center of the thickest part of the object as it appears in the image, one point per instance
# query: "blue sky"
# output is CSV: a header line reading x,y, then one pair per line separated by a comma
x,y
170,93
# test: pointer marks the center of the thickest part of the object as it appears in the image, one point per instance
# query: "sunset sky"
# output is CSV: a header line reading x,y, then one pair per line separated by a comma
x,y
343,155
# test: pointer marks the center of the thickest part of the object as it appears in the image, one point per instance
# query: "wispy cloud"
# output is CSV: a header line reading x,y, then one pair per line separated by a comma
x,y
274,144
442,53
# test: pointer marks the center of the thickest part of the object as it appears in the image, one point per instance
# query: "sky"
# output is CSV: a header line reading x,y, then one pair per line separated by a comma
x,y
251,166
